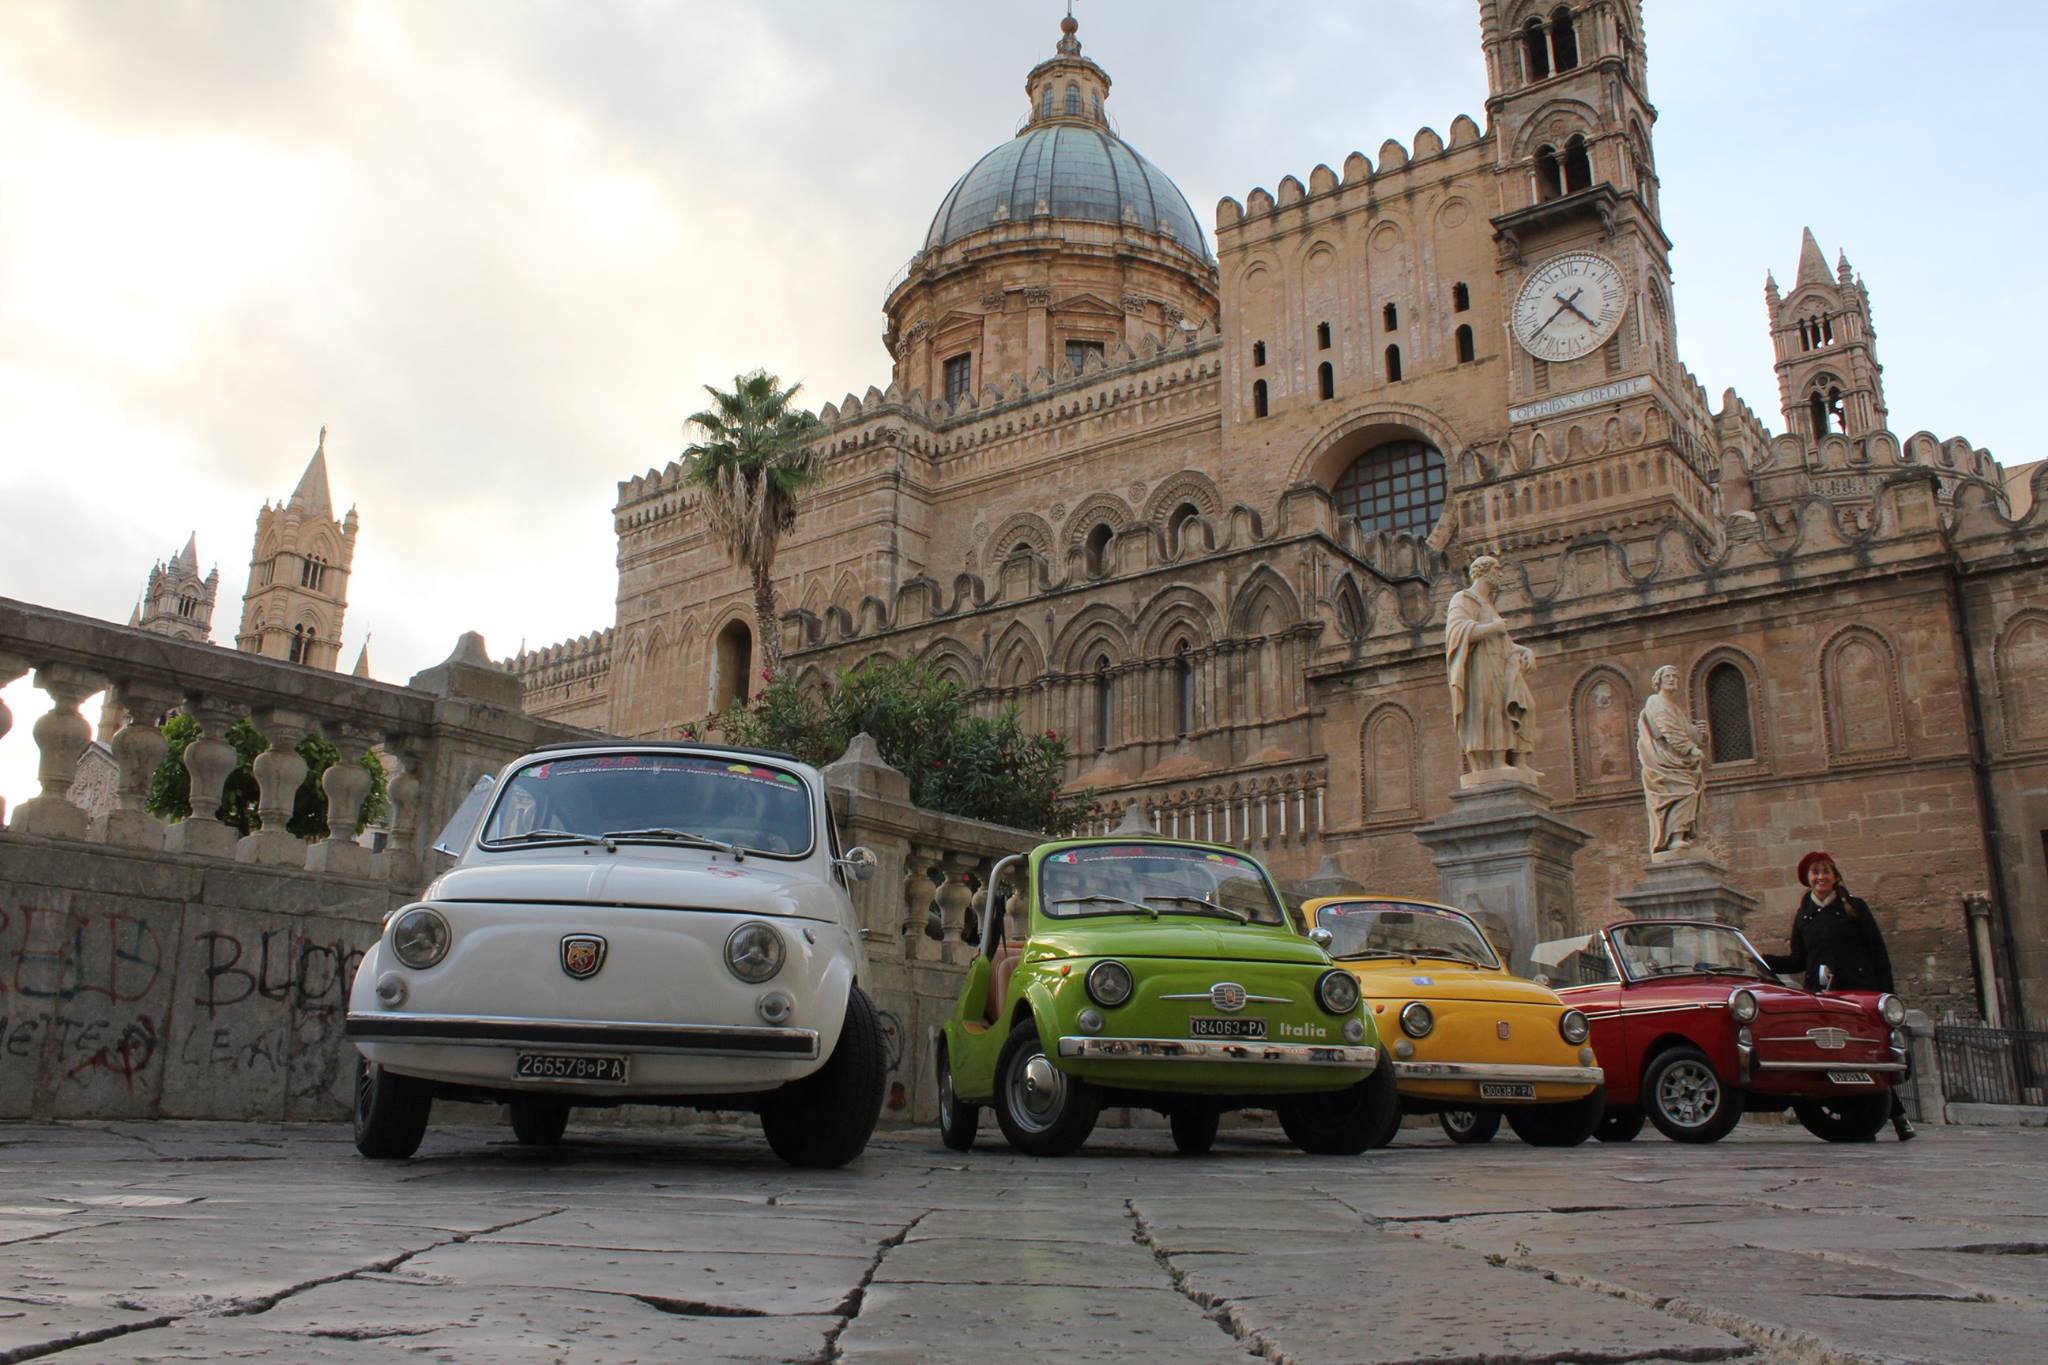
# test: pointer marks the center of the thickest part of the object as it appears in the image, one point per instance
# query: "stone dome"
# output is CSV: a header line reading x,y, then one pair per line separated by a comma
x,y
1066,168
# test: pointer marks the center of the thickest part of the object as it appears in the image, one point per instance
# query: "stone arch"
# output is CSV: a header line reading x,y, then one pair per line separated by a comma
x,y
1389,765
1177,613
1264,596
1094,511
1353,611
1554,123
1092,630
1327,454
2020,668
1023,528
1698,704
846,595
1860,698
950,659
1017,660
1603,716
1188,486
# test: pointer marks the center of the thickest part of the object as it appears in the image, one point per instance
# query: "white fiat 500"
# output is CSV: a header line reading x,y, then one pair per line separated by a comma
x,y
630,923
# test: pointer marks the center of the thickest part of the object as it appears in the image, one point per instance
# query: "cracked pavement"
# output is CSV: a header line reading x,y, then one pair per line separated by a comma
x,y
208,1242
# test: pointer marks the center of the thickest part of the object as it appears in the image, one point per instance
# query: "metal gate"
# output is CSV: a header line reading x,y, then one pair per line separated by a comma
x,y
1985,1065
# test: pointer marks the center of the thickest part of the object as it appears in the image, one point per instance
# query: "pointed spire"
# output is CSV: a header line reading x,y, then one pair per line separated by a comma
x,y
1843,273
188,558
1771,288
311,494
1813,266
362,668
135,616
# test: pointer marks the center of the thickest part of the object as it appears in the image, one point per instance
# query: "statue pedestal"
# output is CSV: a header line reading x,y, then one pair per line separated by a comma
x,y
1506,860
1679,886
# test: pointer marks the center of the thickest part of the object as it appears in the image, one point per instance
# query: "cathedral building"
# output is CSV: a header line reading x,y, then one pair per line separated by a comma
x,y
298,574
176,601
1200,512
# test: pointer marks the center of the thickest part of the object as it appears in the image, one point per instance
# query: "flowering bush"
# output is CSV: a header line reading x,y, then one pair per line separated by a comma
x,y
982,767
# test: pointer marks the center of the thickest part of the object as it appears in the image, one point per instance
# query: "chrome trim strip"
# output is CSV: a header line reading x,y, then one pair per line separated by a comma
x,y
1217,1050
1499,1071
1843,1065
1249,998
476,1030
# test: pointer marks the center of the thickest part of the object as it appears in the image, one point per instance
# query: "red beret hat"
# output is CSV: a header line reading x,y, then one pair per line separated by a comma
x,y
1806,864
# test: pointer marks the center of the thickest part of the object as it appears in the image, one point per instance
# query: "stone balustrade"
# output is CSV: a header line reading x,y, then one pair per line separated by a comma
x,y
1255,814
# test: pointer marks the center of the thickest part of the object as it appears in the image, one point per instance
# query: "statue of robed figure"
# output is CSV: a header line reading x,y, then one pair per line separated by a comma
x,y
1489,676
1671,749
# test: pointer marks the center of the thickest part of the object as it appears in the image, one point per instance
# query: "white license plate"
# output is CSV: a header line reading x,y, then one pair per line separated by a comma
x,y
563,1066
1211,1026
1507,1090
1850,1078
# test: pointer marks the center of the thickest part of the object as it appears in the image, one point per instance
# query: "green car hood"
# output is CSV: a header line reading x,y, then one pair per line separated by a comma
x,y
1177,937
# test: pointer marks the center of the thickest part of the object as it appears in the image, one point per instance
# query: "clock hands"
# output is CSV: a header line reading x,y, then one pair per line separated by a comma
x,y
1573,304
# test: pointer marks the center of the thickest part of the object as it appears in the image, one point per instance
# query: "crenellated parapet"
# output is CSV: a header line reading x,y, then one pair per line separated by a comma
x,y
1397,167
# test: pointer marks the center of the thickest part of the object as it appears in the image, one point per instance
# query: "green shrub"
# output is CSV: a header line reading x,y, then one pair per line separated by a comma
x,y
170,787
982,767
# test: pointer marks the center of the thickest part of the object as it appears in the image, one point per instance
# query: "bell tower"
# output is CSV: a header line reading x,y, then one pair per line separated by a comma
x,y
298,574
1585,274
1828,375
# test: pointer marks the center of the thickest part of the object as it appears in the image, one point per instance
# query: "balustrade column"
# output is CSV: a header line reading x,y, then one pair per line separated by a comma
x,y
138,748
209,761
11,667
61,736
347,785
401,852
919,893
955,895
279,771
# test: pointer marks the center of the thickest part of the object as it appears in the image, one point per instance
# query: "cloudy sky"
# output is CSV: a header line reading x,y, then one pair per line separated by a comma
x,y
498,246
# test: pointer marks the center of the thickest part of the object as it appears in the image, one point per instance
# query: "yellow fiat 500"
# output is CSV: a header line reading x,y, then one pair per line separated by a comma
x,y
1471,1043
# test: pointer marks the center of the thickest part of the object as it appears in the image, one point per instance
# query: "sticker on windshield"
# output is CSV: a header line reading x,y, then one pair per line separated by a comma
x,y
1422,980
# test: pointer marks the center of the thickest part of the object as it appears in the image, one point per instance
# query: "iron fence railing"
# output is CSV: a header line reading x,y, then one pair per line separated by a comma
x,y
1985,1065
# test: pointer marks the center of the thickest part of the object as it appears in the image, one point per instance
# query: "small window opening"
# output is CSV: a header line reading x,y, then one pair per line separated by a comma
x,y
1102,703
1539,375
1461,298
1393,364
1045,104
1073,101
1564,39
1079,351
734,661
1326,380
1322,336
1578,165
1098,549
1549,174
1817,406
1827,330
1178,524
1390,317
1536,49
1611,353
1465,352
1731,731
1258,353
1183,691
1259,398
959,377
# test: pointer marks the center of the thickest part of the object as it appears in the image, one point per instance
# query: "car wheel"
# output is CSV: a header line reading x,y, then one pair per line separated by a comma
x,y
1620,1123
1345,1122
1043,1110
826,1118
1686,1100
391,1111
1559,1125
957,1121
1469,1126
1194,1129
539,1123
1844,1118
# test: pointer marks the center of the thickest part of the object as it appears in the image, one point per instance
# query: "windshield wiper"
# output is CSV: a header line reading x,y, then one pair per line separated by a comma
x,y
680,836
1240,916
1373,952
1114,900
558,836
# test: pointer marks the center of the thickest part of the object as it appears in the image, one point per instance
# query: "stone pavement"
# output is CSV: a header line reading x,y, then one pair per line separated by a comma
x,y
211,1242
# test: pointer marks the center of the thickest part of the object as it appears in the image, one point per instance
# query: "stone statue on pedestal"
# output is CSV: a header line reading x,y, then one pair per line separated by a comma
x,y
1671,749
1489,675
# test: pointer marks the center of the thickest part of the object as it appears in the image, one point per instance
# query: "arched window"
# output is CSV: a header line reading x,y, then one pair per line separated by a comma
x,y
1073,101
1177,526
1098,549
1398,486
1578,165
1393,364
1322,336
1045,105
1102,702
1259,398
296,651
1021,549
1827,330
1465,352
1536,49
1183,691
1564,39
1817,406
1258,353
1390,317
1549,174
1461,298
1326,380
734,657
1730,732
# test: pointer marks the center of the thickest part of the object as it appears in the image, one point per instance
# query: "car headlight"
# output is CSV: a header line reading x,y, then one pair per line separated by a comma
x,y
753,952
1109,983
1891,1009
1742,1005
1572,1026
420,938
1337,991
1417,1019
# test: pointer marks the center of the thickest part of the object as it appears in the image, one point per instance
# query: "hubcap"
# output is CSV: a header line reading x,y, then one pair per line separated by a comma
x,y
1038,1092
945,1091
1689,1094
1460,1120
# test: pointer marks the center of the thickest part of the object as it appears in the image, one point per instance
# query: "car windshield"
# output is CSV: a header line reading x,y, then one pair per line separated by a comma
x,y
1156,879
1367,929
693,800
1681,949
1581,961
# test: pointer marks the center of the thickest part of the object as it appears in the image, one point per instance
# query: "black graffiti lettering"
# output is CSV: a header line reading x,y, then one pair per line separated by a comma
x,y
23,1036
223,982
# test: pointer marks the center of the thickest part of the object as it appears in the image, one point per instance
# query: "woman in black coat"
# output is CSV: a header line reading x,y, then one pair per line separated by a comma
x,y
1833,929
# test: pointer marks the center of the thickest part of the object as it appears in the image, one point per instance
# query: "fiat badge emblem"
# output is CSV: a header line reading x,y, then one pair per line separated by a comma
x,y
582,955
1502,1029
1227,996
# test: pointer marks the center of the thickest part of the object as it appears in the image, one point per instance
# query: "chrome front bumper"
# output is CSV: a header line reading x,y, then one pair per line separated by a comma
x,y
1216,1050
1874,1068
472,1030
1490,1071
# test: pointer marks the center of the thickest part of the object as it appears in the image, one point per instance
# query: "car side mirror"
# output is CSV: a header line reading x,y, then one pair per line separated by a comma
x,y
859,862
1826,976
1321,937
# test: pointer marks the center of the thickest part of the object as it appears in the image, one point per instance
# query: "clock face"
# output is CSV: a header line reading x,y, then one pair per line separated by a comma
x,y
1570,306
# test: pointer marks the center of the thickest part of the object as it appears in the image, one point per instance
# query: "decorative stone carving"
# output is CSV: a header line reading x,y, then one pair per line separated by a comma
x,y
1491,706
1133,303
1670,748
992,301
1171,314
1038,296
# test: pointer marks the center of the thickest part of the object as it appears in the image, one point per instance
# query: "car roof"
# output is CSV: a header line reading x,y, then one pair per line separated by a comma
x,y
664,746
1395,899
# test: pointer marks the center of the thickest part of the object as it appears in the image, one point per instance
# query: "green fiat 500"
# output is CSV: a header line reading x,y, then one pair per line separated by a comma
x,y
1158,974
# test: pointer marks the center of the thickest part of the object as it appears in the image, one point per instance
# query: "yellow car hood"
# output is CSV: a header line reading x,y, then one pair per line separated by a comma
x,y
1437,979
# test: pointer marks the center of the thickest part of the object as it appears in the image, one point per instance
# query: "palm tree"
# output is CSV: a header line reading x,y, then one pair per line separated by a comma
x,y
754,457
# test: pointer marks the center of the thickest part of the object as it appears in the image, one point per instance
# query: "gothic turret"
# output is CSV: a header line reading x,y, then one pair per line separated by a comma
x,y
1829,379
176,601
298,573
